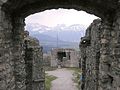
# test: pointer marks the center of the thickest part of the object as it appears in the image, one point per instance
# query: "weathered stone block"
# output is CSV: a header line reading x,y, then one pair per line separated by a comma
x,y
104,41
116,51
105,59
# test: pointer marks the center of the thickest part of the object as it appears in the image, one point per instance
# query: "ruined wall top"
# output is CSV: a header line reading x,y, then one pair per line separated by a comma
x,y
30,41
101,8
63,50
86,40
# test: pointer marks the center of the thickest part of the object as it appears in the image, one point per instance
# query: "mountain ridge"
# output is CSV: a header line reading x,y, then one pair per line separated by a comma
x,y
61,36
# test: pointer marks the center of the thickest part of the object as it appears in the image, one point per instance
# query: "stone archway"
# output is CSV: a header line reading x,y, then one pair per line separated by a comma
x,y
12,14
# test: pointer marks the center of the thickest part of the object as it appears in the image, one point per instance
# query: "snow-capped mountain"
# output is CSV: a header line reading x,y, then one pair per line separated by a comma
x,y
65,33
60,36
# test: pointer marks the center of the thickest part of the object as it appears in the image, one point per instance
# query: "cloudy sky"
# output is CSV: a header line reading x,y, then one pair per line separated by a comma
x,y
54,17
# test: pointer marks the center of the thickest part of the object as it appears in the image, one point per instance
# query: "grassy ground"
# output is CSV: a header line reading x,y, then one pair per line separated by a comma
x,y
76,74
48,80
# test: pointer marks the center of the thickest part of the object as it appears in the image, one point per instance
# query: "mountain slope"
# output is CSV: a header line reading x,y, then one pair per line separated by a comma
x,y
59,36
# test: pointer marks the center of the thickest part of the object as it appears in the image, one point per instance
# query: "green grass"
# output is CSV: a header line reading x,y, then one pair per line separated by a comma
x,y
76,70
48,80
76,74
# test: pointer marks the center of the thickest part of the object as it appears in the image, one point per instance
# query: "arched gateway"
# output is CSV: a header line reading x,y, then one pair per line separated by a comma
x,y
12,15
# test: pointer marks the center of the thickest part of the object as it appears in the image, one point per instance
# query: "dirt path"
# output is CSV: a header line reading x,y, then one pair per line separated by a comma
x,y
64,80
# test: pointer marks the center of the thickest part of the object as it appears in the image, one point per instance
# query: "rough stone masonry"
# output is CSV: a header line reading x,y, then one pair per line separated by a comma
x,y
12,61
93,65
35,74
90,56
64,57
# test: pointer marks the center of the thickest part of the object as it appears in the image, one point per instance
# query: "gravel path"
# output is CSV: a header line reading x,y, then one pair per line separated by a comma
x,y
63,81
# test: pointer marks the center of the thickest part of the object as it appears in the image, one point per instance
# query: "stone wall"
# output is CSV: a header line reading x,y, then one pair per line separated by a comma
x,y
47,59
13,68
18,52
114,59
90,53
70,59
100,56
110,59
35,78
7,78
